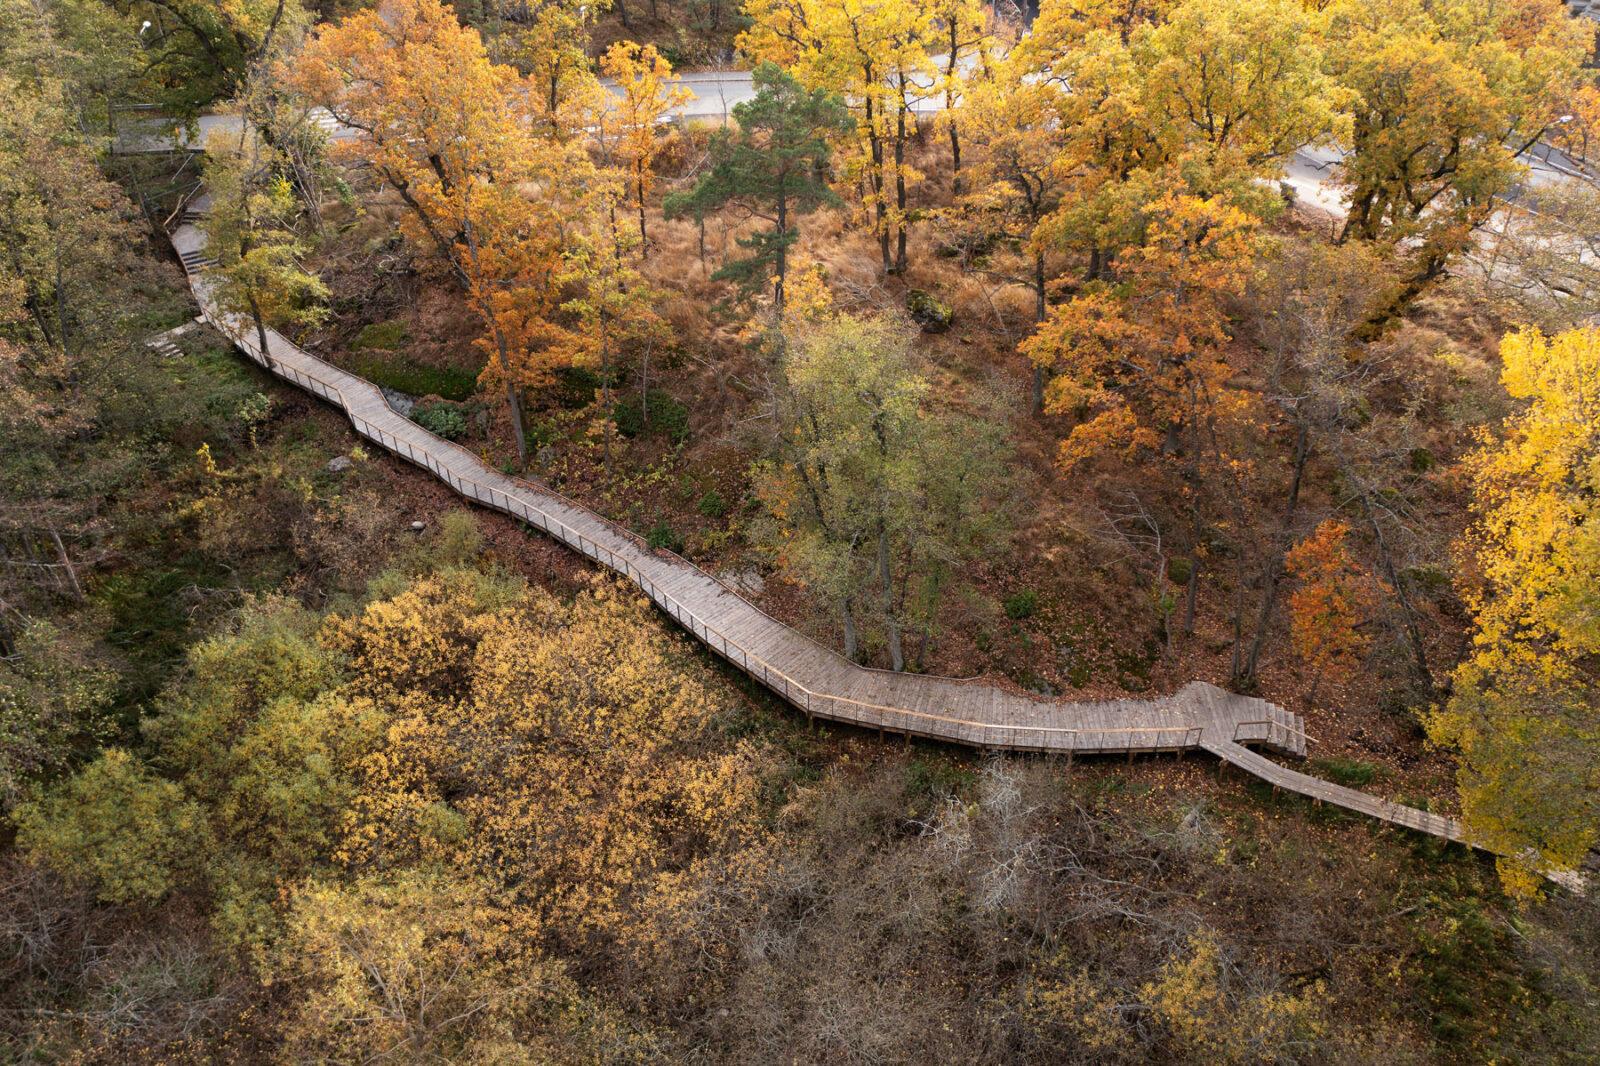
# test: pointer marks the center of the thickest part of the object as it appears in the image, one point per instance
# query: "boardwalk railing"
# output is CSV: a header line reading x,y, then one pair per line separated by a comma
x,y
814,703
434,451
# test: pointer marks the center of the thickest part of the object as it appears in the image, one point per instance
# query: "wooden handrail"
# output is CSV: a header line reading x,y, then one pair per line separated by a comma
x,y
1190,734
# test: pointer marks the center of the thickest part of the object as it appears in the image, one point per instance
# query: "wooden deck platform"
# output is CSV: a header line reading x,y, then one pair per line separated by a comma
x,y
814,679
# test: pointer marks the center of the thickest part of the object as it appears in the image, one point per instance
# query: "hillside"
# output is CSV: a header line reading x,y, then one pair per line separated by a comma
x,y
956,372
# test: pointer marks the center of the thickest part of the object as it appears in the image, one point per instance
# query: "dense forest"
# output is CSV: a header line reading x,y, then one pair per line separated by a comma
x,y
1093,351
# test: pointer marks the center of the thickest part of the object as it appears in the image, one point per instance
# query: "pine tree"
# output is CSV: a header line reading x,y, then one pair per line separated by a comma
x,y
774,168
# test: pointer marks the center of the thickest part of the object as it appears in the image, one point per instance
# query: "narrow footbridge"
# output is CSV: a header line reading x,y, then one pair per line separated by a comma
x,y
815,680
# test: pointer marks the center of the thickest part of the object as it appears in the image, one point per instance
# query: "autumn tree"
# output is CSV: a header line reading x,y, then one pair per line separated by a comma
x,y
613,303
772,167
1298,310
566,747
1203,98
548,41
1141,366
418,962
1234,86
963,38
876,495
629,125
63,227
69,247
876,57
202,50
1446,96
450,133
1335,597
252,233
55,698
1522,713
1012,123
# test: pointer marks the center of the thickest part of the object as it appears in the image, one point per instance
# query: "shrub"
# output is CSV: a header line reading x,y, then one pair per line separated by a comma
x,y
712,505
387,336
443,419
118,827
667,416
576,385
1021,605
662,537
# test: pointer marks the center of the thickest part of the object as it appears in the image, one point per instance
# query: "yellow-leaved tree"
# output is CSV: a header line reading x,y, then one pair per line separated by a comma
x,y
1524,713
572,750
1445,95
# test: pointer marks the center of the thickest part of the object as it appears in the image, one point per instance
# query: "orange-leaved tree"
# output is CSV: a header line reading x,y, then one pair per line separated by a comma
x,y
628,124
1334,598
1142,365
451,134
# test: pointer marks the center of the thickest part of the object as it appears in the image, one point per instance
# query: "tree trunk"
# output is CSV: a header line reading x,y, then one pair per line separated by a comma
x,y
605,391
1430,270
644,240
503,357
1190,595
852,643
261,330
897,658
1413,633
1245,678
644,386
875,182
900,183
1040,311
950,107
66,565
781,266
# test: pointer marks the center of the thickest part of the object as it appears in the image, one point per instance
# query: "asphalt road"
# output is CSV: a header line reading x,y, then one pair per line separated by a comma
x,y
1311,173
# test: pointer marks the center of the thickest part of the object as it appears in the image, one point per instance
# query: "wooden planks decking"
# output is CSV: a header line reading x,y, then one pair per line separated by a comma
x,y
814,679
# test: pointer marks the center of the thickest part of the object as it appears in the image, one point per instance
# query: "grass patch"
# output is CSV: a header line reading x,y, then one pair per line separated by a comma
x,y
388,336
417,379
1352,773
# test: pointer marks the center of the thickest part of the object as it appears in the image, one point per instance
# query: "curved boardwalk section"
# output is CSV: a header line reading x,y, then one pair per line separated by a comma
x,y
813,678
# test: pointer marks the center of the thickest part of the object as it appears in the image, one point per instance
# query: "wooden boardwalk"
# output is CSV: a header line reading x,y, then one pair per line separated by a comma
x,y
815,679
